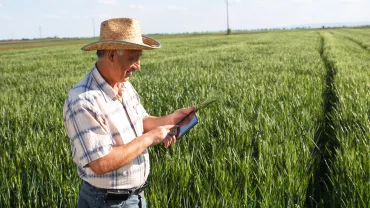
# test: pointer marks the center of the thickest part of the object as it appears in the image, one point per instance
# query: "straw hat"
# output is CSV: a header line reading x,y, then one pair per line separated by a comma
x,y
122,33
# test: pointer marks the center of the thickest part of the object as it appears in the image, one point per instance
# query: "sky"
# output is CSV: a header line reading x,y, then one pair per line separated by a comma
x,y
82,18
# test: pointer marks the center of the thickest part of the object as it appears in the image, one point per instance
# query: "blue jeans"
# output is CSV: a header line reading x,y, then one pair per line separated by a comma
x,y
91,196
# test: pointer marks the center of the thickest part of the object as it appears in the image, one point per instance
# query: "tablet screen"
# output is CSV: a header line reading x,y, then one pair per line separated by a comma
x,y
186,124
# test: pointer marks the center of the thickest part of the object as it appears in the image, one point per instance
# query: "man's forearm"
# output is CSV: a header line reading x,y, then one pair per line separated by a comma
x,y
120,155
124,154
152,122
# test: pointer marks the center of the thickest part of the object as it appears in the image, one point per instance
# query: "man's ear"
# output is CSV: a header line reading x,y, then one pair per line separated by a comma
x,y
111,55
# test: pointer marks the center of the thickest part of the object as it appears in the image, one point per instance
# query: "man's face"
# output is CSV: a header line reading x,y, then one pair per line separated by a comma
x,y
126,64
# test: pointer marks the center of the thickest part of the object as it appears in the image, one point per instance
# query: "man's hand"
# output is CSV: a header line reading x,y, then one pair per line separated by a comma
x,y
180,114
158,128
162,134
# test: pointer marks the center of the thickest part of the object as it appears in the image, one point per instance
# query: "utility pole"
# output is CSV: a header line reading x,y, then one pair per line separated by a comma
x,y
40,31
227,17
93,27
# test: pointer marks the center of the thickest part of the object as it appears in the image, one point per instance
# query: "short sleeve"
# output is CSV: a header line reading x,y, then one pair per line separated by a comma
x,y
88,132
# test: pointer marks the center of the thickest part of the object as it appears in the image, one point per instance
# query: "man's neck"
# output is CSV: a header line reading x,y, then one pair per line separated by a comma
x,y
102,68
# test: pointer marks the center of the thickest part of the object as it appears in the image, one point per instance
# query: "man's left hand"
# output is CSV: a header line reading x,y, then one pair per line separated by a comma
x,y
180,114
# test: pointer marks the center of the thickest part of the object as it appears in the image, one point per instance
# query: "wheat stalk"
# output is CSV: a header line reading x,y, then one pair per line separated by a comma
x,y
206,103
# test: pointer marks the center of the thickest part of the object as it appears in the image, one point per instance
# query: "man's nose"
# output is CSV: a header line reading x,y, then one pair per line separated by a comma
x,y
136,66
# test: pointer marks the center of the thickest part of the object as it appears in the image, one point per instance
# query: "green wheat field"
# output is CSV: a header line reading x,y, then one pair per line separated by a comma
x,y
291,128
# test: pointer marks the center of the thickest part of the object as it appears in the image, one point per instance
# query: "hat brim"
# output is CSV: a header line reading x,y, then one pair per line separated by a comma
x,y
148,44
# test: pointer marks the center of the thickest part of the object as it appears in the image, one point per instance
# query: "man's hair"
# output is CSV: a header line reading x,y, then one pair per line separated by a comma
x,y
101,53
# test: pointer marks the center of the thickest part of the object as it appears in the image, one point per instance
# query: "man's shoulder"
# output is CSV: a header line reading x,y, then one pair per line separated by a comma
x,y
84,91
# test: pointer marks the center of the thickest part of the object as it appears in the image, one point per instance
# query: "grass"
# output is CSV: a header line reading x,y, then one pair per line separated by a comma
x,y
350,174
258,146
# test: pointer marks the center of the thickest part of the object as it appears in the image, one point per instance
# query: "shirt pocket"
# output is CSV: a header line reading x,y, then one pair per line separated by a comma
x,y
137,110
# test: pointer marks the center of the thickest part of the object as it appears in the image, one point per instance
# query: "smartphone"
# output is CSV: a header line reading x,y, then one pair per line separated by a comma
x,y
186,124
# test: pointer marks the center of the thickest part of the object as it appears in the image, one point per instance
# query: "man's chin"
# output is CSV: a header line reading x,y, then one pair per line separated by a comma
x,y
126,79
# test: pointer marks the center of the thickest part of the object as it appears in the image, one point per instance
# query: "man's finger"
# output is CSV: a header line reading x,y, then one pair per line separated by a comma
x,y
167,141
173,139
165,144
169,126
167,138
189,109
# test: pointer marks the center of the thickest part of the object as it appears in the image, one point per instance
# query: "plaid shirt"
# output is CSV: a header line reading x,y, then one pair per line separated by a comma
x,y
96,119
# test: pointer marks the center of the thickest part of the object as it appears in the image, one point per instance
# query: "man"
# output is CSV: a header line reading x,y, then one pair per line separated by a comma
x,y
109,129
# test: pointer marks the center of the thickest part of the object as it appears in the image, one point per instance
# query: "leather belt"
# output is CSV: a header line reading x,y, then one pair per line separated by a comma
x,y
123,194
120,194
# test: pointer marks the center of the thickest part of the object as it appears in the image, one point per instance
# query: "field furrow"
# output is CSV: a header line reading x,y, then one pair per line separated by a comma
x,y
350,173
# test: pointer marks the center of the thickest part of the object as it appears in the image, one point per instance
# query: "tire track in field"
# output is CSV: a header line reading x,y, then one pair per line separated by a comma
x,y
363,46
255,156
324,154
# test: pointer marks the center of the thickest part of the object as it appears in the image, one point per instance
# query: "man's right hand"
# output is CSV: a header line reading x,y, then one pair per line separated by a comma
x,y
161,134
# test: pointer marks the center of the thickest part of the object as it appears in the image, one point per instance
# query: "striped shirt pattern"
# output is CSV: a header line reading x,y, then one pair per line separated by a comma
x,y
97,119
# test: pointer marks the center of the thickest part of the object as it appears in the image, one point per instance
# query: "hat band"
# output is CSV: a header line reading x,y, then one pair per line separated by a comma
x,y
138,40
